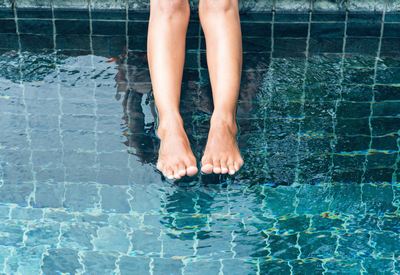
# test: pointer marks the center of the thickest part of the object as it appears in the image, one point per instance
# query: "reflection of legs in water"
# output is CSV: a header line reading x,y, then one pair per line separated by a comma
x,y
166,53
139,139
221,24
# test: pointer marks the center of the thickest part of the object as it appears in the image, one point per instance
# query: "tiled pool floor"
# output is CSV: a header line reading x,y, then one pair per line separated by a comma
x,y
319,118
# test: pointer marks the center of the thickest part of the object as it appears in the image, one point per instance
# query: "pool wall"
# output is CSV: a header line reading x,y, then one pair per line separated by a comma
x,y
246,5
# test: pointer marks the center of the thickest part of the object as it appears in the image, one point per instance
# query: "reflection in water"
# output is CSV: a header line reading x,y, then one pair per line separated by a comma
x,y
141,133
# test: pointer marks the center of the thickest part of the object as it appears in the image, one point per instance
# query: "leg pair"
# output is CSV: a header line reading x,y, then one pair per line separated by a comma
x,y
166,53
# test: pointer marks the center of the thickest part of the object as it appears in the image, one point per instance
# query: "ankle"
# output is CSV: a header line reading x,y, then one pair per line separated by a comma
x,y
168,123
227,120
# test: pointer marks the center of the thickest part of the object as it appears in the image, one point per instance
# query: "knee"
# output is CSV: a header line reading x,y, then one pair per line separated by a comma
x,y
170,8
218,6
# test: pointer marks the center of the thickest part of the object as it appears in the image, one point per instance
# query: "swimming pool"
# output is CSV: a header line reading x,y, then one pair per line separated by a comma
x,y
319,131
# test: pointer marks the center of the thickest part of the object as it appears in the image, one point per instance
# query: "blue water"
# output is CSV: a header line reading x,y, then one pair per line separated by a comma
x,y
319,118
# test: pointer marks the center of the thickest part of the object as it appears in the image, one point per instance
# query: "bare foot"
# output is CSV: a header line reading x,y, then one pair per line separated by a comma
x,y
222,154
175,159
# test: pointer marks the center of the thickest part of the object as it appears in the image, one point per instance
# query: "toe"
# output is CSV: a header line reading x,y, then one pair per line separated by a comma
x,y
168,172
191,168
181,170
238,164
231,167
176,172
191,171
217,166
159,166
224,166
206,166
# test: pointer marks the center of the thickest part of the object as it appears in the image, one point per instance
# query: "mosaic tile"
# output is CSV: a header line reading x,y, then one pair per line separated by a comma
x,y
99,263
62,260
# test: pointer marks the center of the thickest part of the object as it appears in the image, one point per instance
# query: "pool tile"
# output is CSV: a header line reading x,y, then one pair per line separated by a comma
x,y
61,260
332,45
46,234
73,41
111,239
12,233
36,42
372,265
290,29
291,16
6,12
79,27
8,26
355,29
385,243
213,267
65,13
327,30
275,266
308,265
392,16
379,204
99,13
89,192
311,243
343,266
283,247
128,265
96,262
78,236
108,27
44,13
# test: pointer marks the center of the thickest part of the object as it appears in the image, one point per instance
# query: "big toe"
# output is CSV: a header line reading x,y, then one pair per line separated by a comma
x,y
191,171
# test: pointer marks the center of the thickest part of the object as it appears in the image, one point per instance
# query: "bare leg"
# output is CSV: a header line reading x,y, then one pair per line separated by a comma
x,y
221,24
166,54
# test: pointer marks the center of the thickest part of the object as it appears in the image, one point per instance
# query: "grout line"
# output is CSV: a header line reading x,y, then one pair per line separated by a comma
x,y
269,84
95,110
302,99
31,198
60,107
365,164
334,141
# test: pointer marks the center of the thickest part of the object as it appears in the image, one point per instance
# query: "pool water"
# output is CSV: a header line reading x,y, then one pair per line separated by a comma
x,y
319,118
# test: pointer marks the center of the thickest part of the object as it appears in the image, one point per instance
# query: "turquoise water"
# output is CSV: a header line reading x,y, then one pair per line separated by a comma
x,y
319,131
